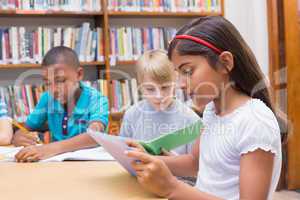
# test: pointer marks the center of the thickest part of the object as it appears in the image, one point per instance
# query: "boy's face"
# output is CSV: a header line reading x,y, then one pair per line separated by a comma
x,y
62,81
159,95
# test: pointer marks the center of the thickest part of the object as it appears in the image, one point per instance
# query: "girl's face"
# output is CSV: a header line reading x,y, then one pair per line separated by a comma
x,y
198,79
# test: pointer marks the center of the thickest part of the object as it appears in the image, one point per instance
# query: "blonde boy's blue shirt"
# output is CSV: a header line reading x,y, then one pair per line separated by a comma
x,y
91,106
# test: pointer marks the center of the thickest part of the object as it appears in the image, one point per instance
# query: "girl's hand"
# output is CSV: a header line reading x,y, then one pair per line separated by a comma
x,y
153,174
135,145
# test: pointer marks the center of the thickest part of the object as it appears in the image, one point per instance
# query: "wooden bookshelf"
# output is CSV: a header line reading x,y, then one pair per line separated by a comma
x,y
292,50
284,45
42,13
31,65
101,19
162,14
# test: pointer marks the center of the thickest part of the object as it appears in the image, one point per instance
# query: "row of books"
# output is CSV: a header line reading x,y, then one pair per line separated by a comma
x,y
128,43
29,45
49,5
165,5
122,93
21,100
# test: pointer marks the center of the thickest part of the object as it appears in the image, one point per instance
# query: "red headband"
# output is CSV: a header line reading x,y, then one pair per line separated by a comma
x,y
200,41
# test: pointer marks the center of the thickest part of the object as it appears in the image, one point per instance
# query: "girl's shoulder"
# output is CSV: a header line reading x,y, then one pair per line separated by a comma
x,y
256,128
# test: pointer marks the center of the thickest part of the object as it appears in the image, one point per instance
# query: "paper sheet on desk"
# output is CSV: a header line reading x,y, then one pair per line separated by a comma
x,y
93,154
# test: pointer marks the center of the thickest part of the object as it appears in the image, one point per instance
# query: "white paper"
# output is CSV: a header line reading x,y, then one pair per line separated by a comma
x,y
7,154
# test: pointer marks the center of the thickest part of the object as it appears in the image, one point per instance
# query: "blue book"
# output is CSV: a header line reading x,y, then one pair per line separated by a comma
x,y
1,56
150,42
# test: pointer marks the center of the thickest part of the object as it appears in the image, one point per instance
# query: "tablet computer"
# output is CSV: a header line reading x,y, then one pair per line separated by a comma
x,y
116,147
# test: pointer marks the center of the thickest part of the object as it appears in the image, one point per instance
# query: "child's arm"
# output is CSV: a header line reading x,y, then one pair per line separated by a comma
x,y
184,165
35,153
6,131
154,175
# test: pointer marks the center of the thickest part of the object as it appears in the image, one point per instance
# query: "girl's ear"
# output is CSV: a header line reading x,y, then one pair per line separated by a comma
x,y
80,73
226,61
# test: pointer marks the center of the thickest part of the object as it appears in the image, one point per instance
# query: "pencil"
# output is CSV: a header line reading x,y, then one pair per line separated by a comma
x,y
18,125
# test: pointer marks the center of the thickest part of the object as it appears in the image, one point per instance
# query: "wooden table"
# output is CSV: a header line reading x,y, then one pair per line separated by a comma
x,y
68,181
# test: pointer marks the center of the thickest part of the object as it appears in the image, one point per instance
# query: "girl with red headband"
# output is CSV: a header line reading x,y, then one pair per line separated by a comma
x,y
238,154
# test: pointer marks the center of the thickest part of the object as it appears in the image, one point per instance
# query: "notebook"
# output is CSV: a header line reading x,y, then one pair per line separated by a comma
x,y
172,140
7,154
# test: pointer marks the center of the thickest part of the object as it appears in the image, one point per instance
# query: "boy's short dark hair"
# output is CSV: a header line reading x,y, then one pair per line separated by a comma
x,y
61,55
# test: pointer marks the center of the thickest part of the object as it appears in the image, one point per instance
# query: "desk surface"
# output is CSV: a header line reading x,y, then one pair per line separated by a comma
x,y
68,181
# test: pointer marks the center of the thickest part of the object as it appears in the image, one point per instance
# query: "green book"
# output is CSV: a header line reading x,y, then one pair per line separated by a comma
x,y
174,139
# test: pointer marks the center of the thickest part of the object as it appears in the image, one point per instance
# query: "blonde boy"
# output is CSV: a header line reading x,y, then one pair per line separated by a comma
x,y
159,112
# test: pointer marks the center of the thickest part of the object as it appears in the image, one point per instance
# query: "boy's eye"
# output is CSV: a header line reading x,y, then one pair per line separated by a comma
x,y
60,80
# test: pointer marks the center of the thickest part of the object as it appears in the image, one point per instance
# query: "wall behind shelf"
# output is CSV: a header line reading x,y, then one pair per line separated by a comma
x,y
250,17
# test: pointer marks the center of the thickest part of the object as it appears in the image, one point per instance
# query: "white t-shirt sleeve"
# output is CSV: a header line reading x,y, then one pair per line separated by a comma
x,y
259,132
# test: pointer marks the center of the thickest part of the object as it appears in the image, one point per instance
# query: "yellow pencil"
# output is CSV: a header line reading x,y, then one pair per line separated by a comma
x,y
21,127
18,125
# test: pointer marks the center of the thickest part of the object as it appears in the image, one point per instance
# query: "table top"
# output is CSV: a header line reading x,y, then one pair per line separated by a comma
x,y
69,180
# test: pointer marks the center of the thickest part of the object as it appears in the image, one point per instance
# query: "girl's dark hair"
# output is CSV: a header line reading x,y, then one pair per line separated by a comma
x,y
246,74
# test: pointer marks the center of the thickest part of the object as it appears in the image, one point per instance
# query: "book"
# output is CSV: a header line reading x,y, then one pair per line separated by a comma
x,y
30,45
51,5
165,5
128,43
172,140
7,154
116,147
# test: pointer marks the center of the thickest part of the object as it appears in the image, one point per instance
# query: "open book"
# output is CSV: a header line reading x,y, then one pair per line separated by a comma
x,y
174,139
116,145
7,154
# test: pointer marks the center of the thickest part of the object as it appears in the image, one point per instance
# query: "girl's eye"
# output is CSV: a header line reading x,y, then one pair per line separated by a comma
x,y
187,72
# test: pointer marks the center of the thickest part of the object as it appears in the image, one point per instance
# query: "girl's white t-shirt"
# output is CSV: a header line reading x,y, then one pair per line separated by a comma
x,y
225,139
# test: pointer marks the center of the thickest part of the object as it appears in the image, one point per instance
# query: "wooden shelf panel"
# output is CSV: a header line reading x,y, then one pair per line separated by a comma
x,y
31,65
117,115
162,14
42,13
127,62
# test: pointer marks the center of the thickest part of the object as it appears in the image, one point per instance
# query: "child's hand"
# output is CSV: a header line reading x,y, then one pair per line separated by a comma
x,y
34,153
136,145
24,139
153,174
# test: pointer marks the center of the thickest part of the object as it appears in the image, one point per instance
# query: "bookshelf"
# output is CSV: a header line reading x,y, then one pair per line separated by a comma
x,y
104,19
284,45
292,44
